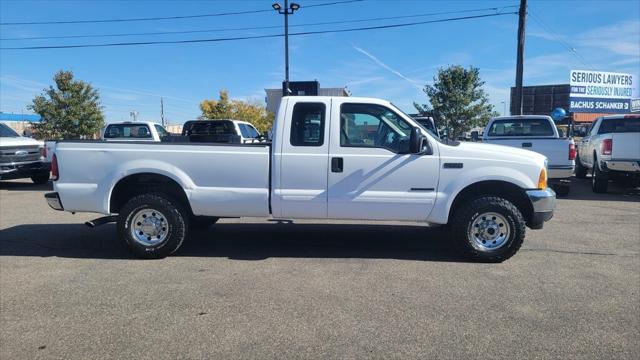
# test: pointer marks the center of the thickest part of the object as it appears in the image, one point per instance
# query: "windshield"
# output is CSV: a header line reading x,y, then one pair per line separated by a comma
x,y
6,131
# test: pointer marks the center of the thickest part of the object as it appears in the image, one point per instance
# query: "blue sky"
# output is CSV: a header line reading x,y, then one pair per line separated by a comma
x,y
392,63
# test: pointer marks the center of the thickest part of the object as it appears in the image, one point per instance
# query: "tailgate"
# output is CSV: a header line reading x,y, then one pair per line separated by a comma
x,y
556,150
626,146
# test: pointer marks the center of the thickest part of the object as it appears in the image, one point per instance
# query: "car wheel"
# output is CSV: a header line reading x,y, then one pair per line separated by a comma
x,y
152,225
599,179
40,179
202,222
489,229
581,171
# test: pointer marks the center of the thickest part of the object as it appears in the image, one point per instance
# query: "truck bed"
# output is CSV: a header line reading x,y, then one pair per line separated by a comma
x,y
218,179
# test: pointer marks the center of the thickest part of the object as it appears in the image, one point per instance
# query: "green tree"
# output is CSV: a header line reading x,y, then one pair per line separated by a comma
x,y
457,100
248,111
69,110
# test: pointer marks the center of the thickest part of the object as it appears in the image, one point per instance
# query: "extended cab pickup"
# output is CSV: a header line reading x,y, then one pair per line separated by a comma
x,y
610,149
537,133
331,158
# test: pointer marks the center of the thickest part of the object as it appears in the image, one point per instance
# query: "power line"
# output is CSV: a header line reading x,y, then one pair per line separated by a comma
x,y
559,39
165,17
259,27
257,36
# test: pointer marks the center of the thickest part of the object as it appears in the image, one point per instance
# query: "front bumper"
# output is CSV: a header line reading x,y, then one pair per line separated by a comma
x,y
53,199
19,170
622,165
543,203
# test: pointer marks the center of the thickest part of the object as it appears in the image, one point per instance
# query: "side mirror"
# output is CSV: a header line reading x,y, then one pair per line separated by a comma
x,y
418,143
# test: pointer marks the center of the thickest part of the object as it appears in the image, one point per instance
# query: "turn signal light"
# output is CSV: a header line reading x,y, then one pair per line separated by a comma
x,y
54,168
606,147
542,179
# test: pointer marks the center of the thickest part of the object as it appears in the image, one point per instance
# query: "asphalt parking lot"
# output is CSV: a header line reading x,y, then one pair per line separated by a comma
x,y
252,288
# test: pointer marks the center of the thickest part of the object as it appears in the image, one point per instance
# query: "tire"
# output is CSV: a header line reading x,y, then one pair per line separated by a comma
x,y
599,179
487,213
40,179
562,190
581,170
202,222
152,225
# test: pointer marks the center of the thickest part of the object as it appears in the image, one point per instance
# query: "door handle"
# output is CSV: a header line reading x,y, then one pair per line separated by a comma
x,y
527,144
337,164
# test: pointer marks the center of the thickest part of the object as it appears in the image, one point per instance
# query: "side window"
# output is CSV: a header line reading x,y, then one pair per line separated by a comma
x,y
161,131
307,124
253,133
369,125
243,131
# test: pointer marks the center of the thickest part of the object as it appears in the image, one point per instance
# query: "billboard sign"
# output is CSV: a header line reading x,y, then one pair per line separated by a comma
x,y
603,92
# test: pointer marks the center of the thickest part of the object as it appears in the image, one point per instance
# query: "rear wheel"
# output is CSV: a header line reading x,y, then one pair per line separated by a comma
x,y
489,229
152,225
562,190
581,171
599,179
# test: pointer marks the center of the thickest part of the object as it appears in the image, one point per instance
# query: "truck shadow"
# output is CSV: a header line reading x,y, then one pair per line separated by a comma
x,y
25,185
242,241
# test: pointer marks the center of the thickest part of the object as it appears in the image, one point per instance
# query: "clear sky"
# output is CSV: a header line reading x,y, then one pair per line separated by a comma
x,y
389,63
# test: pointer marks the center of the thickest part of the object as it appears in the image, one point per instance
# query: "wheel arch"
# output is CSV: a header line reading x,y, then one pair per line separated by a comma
x,y
501,188
144,182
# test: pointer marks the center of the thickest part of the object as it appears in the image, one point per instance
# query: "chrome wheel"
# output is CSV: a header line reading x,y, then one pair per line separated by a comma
x,y
489,231
149,227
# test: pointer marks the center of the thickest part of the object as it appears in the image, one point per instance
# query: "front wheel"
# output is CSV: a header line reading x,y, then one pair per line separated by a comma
x,y
599,179
581,171
152,225
489,229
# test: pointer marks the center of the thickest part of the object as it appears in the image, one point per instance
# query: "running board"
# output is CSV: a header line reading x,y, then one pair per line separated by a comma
x,y
100,221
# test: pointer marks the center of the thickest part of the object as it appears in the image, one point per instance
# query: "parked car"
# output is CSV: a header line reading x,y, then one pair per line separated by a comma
x,y
537,133
331,158
134,131
21,157
610,150
227,131
428,123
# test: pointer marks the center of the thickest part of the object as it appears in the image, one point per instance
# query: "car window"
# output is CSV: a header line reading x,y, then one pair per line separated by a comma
x,y
127,131
370,125
161,131
619,125
521,127
253,133
244,131
6,131
206,127
307,124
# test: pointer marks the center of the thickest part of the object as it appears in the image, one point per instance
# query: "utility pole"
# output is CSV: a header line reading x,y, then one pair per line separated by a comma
x,y
288,10
162,112
522,20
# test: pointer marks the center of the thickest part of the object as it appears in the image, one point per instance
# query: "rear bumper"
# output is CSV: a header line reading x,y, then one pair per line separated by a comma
x,y
543,203
53,199
622,165
560,171
19,170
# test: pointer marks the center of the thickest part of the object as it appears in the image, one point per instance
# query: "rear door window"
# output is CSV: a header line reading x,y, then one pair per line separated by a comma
x,y
127,131
620,125
521,127
307,124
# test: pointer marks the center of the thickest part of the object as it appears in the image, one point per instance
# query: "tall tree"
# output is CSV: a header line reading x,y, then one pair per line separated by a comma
x,y
69,110
223,108
457,100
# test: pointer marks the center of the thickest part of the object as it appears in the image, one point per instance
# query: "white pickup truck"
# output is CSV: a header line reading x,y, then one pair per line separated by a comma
x,y
610,149
133,131
331,158
537,133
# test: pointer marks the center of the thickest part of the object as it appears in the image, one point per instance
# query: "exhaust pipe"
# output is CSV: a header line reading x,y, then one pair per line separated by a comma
x,y
100,221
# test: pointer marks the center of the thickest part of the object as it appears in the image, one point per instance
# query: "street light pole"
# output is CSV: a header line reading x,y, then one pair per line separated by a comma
x,y
286,11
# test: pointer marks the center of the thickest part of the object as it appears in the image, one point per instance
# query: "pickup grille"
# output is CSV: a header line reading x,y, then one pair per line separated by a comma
x,y
16,154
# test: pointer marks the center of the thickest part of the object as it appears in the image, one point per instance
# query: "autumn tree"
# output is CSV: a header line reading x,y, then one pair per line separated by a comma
x,y
248,111
457,100
70,110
